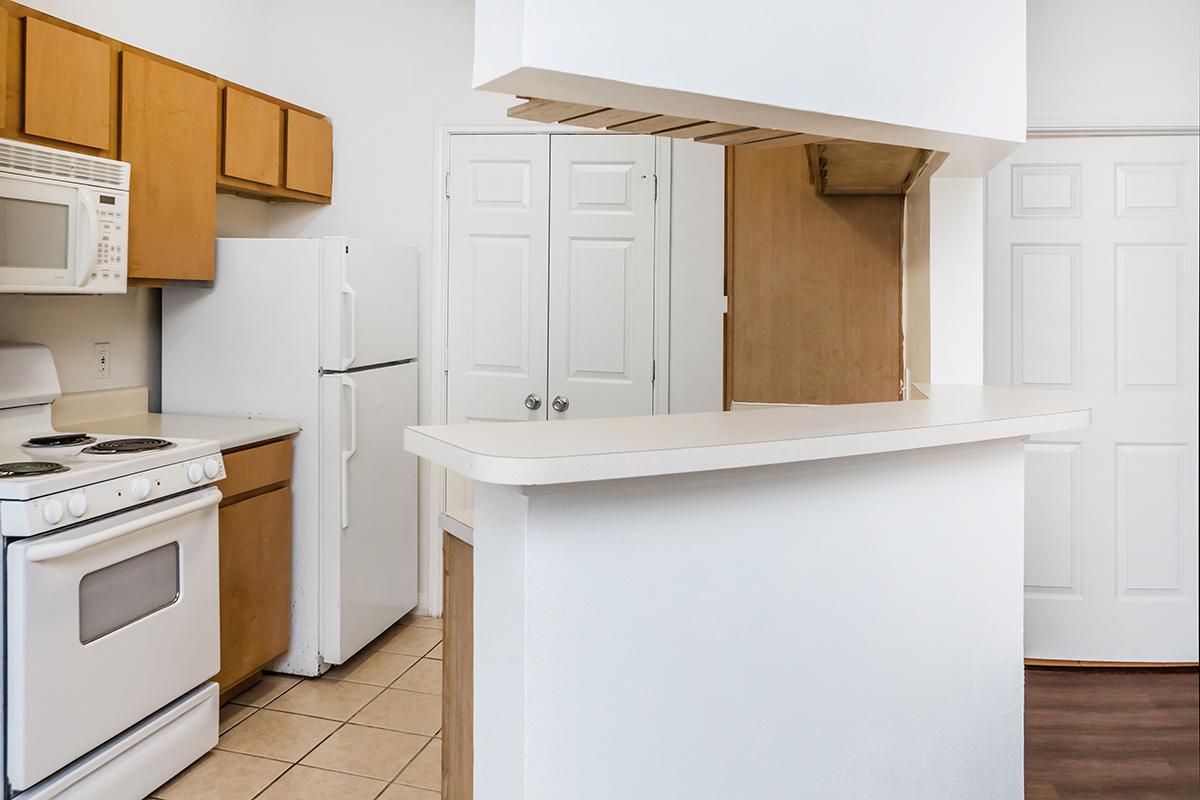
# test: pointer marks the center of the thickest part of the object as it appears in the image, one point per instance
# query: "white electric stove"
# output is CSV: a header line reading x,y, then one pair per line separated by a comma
x,y
110,615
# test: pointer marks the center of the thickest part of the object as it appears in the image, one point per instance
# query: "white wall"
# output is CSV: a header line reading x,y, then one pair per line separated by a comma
x,y
224,37
915,256
944,74
956,226
1113,63
697,276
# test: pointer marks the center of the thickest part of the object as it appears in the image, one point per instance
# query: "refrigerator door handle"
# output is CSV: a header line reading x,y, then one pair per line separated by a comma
x,y
349,292
348,453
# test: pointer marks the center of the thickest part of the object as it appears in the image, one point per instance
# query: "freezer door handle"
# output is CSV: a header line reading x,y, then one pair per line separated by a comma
x,y
351,295
348,452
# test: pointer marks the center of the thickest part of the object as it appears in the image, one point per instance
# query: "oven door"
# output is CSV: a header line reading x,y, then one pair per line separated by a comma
x,y
107,623
47,233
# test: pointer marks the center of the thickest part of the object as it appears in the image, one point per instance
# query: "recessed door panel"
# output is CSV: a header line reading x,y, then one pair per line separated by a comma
x,y
497,310
601,348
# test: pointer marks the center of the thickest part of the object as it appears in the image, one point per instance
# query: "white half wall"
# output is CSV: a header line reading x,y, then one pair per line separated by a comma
x,y
1112,64
956,231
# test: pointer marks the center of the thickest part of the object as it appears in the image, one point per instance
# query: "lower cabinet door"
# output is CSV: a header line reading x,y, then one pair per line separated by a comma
x,y
256,583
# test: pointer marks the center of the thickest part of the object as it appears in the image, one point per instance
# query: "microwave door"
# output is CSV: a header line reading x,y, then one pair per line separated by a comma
x,y
39,247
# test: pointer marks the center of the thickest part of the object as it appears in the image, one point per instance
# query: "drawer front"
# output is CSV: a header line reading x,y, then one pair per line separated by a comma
x,y
256,467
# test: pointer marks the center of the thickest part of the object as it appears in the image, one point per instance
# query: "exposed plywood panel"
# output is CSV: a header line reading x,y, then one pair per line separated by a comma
x,y
550,110
814,286
848,167
702,129
458,754
655,124
609,117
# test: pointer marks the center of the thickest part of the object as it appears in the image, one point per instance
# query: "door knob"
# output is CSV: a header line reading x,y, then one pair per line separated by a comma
x,y
561,404
533,402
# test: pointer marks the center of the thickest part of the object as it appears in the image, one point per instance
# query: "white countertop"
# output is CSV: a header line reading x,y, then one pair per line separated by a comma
x,y
231,432
572,451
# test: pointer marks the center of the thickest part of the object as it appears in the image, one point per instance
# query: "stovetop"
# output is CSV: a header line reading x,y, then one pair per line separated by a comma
x,y
49,461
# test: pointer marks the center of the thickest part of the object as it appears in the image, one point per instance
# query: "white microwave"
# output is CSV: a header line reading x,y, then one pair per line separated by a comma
x,y
64,221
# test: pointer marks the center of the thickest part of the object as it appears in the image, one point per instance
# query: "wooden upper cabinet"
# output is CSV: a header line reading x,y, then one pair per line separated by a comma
x,y
309,154
253,137
68,85
169,137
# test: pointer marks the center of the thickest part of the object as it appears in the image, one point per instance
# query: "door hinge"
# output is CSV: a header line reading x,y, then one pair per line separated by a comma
x,y
653,370
446,184
656,188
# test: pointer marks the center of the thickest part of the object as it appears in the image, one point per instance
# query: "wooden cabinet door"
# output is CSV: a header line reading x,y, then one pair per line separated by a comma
x,y
169,137
256,583
252,137
68,85
309,154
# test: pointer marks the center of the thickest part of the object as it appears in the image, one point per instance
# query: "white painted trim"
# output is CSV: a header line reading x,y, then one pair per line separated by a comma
x,y
435,498
1045,125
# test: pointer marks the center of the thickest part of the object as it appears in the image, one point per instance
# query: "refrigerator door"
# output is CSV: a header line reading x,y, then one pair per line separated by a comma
x,y
368,506
368,303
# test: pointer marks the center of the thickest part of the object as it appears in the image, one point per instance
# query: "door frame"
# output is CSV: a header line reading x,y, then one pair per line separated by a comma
x,y
434,496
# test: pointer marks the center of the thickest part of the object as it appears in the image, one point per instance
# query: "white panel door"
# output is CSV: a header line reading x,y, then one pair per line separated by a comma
x,y
499,210
368,506
1092,287
601,346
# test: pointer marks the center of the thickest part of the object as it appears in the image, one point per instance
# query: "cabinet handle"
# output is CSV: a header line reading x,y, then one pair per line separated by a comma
x,y
533,402
560,404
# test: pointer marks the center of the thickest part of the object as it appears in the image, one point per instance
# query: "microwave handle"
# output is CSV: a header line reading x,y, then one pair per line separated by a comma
x,y
88,209
47,551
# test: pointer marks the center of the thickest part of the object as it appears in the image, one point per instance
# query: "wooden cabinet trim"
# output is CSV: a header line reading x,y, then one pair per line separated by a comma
x,y
68,85
252,137
256,468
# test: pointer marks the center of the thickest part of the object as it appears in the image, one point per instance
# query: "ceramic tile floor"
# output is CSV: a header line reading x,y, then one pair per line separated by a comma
x,y
367,730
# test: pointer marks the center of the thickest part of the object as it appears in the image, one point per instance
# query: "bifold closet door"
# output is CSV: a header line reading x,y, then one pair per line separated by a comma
x,y
601,343
499,189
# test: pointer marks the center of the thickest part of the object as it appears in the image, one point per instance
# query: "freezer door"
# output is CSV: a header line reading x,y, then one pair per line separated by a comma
x,y
368,506
368,303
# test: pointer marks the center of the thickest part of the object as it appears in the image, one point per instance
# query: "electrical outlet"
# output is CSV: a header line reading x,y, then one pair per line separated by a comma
x,y
102,359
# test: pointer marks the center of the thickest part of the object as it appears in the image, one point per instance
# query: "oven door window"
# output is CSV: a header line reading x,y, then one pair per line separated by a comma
x,y
122,593
34,234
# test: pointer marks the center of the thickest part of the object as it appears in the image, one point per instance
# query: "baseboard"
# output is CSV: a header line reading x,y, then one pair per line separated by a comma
x,y
1054,662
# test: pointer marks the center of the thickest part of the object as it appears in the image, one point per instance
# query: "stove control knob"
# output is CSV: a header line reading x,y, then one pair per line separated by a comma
x,y
212,468
195,473
53,512
77,504
140,488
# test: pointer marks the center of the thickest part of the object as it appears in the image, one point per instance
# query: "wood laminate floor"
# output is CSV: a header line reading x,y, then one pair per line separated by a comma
x,y
1100,734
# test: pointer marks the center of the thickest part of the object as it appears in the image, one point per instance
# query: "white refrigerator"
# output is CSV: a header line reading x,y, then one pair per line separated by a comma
x,y
322,332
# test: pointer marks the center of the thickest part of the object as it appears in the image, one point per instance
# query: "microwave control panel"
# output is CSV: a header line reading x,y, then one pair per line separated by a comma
x,y
108,269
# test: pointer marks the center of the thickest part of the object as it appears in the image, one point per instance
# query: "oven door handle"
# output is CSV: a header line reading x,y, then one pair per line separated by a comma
x,y
47,551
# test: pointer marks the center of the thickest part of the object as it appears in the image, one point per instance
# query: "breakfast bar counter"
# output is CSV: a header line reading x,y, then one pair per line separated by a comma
x,y
776,603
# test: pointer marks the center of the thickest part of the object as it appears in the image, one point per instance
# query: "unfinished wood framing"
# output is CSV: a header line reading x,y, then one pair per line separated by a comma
x,y
837,166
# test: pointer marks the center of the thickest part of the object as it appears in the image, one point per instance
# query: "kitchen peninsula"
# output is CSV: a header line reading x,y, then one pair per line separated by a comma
x,y
787,602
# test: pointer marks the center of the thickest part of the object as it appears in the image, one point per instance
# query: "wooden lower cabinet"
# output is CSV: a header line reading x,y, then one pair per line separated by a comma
x,y
458,759
255,521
